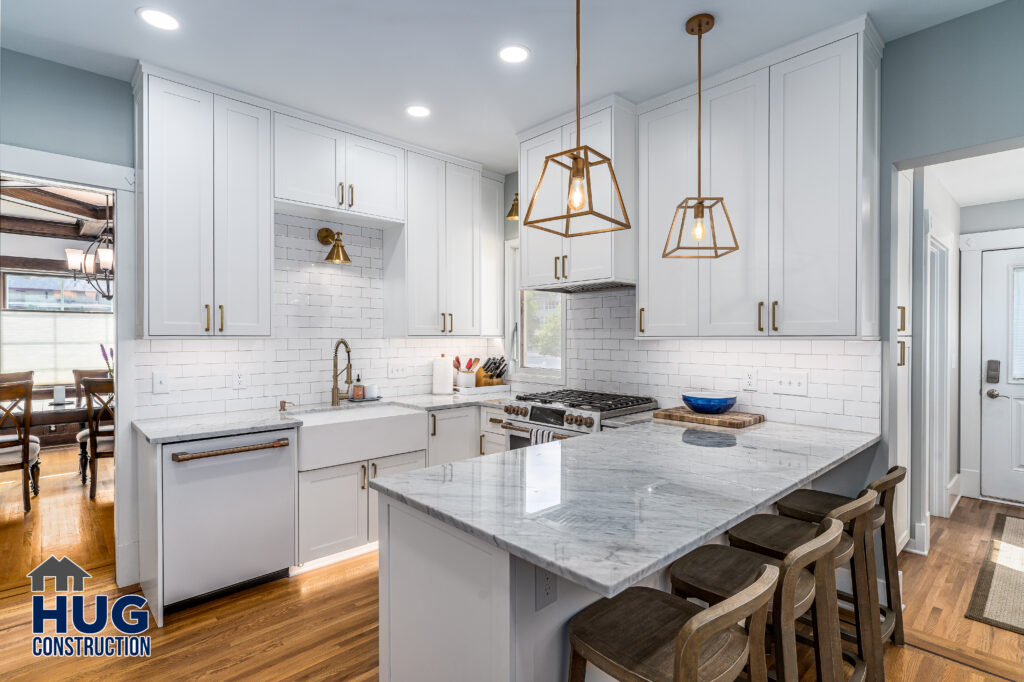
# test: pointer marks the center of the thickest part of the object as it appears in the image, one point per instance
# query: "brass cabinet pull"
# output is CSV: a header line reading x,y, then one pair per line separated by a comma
x,y
351,195
363,467
189,456
451,323
556,268
221,317
433,422
481,443
496,420
903,318
760,310
374,465
775,327
642,320
443,329
341,188
903,354
207,317
564,276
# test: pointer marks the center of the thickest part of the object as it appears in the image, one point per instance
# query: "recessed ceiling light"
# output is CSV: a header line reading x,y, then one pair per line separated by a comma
x,y
513,54
417,110
155,17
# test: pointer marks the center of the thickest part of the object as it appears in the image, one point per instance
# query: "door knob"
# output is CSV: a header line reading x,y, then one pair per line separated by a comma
x,y
993,393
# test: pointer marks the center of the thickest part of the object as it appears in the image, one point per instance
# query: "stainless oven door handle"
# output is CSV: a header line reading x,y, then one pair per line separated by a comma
x,y
510,427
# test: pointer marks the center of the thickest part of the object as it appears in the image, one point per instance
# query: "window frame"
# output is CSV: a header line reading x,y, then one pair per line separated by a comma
x,y
514,325
5,273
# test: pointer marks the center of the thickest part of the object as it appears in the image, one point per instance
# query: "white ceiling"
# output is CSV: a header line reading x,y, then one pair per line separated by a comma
x,y
364,62
983,179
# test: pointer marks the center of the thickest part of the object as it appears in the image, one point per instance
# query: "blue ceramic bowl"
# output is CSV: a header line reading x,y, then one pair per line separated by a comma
x,y
709,403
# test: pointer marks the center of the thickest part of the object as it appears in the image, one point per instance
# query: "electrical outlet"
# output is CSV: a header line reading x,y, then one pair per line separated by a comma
x,y
790,383
159,381
237,379
545,587
397,370
750,380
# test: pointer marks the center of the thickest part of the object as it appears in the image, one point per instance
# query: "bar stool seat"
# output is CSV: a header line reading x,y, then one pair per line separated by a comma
x,y
814,505
777,536
712,573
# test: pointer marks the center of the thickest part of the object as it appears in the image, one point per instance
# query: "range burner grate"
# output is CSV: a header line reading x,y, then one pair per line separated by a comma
x,y
587,400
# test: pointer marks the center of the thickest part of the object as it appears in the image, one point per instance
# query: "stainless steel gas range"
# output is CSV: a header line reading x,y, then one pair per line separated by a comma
x,y
565,413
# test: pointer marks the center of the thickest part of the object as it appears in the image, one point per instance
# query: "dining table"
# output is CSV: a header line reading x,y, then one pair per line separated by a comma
x,y
46,413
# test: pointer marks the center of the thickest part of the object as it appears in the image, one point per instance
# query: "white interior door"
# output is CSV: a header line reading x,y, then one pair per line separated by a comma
x,y
1002,400
462,240
734,288
668,289
376,178
424,242
540,252
590,257
309,162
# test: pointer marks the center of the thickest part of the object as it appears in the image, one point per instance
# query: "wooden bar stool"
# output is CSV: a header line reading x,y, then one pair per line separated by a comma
x,y
814,505
777,536
715,572
644,635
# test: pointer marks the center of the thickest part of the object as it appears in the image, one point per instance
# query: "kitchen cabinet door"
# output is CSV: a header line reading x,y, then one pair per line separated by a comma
x,y
904,255
309,162
590,257
734,288
424,246
540,252
491,443
902,440
243,218
492,258
375,173
332,510
454,435
462,243
388,466
813,192
179,210
668,291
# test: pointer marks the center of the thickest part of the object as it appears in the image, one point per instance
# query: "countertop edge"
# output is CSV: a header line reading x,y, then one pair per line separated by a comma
x,y
219,432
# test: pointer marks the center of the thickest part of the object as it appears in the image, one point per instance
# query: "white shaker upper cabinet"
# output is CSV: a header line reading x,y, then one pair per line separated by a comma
x,y
376,178
734,288
243,229
813,192
492,257
461,254
178,219
309,163
424,248
667,294
540,251
590,257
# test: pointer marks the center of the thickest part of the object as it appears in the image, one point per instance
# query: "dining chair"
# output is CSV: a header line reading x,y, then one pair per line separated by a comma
x,y
99,405
19,451
10,378
83,435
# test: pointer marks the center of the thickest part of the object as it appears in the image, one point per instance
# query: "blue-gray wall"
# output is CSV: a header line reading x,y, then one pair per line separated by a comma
x,y
1000,215
60,109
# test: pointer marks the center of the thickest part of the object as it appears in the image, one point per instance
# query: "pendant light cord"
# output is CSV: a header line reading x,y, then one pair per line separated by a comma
x,y
700,106
579,138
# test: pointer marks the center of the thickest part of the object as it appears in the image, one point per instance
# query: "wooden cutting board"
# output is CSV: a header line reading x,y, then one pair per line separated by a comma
x,y
731,419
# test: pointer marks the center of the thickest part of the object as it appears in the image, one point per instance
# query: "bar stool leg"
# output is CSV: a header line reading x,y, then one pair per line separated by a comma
x,y
892,580
784,636
865,593
577,666
828,655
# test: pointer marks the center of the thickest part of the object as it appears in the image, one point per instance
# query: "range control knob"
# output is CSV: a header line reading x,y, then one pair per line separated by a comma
x,y
588,422
523,411
570,419
508,409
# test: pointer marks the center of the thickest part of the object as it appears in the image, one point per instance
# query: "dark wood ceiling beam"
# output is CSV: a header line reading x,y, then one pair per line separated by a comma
x,y
32,264
41,228
59,202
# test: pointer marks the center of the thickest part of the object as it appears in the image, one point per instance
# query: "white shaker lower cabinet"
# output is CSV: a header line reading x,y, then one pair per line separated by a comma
x,y
206,212
454,435
387,466
332,510
813,204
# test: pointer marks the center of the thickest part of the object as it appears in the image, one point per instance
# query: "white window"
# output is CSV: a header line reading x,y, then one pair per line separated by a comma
x,y
535,328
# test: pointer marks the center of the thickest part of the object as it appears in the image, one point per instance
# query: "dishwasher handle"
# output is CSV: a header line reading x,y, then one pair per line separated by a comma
x,y
189,456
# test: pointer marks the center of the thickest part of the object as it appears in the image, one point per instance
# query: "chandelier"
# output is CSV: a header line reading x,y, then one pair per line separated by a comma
x,y
95,264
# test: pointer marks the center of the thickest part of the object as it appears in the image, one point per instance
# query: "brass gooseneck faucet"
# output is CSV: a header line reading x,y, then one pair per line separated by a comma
x,y
335,393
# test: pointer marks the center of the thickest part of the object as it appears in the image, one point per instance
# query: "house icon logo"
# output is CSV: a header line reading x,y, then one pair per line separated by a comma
x,y
63,571
82,627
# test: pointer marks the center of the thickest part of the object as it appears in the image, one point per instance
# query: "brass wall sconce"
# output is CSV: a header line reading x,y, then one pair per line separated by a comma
x,y
513,213
337,254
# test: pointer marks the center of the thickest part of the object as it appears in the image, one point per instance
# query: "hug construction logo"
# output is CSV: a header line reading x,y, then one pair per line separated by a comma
x,y
127,614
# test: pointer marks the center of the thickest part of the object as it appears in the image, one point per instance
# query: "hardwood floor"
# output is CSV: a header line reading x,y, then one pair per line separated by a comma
x,y
63,520
323,624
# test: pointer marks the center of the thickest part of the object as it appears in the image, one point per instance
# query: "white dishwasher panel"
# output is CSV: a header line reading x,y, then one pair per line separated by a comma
x,y
227,518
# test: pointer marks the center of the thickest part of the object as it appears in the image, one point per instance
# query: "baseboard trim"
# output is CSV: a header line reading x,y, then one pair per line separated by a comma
x,y
970,483
126,564
918,543
332,559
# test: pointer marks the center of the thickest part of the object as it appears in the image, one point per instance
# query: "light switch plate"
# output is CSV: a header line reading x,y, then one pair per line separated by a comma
x,y
397,370
159,381
545,587
792,382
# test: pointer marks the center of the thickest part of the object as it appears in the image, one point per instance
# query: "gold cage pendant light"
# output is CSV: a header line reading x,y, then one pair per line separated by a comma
x,y
693,233
578,216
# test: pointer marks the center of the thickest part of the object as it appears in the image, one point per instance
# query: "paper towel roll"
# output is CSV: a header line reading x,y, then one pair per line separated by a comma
x,y
442,376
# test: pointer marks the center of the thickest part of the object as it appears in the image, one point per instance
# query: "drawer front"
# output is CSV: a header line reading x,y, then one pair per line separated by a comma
x,y
229,517
491,419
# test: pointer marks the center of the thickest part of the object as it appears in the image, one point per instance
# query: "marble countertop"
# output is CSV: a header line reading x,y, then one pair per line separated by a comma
x,y
432,402
609,509
173,429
